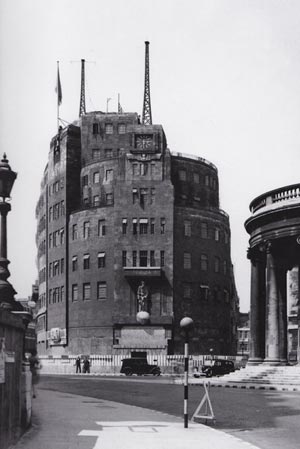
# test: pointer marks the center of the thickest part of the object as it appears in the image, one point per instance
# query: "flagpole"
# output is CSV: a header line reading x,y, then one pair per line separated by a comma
x,y
57,96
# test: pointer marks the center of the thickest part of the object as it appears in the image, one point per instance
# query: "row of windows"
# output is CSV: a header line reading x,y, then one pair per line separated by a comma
x,y
206,232
108,153
42,300
109,176
143,258
56,187
86,261
56,211
56,294
56,268
86,291
42,275
109,128
204,263
143,226
207,180
108,201
142,168
203,292
57,238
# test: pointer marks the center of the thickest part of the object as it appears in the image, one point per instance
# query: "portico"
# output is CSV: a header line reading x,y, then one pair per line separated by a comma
x,y
274,229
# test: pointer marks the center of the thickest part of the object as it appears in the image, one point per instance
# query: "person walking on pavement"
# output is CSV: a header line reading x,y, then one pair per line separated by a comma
x,y
86,365
34,367
78,365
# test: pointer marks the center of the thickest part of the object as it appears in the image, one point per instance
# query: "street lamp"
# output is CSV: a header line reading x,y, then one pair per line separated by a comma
x,y
7,179
186,324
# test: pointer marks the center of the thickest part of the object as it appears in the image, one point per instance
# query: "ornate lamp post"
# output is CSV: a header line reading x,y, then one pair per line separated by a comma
x,y
7,179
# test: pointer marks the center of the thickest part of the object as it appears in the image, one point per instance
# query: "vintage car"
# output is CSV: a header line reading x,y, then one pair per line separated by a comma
x,y
216,367
139,366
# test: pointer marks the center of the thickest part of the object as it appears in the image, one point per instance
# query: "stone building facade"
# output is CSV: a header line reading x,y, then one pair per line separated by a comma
x,y
124,225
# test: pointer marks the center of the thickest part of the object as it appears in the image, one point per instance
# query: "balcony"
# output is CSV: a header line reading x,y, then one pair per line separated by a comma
x,y
142,272
278,198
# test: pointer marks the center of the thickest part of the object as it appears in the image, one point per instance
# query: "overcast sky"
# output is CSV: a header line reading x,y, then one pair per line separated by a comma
x,y
225,85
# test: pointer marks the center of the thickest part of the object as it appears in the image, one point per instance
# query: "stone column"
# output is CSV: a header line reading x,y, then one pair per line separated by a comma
x,y
272,352
257,310
281,278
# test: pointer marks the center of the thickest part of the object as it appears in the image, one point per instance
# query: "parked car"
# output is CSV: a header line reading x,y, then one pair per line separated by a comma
x,y
138,366
217,367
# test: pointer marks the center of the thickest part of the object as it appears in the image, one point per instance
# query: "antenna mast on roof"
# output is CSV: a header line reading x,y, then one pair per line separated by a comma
x,y
147,116
82,90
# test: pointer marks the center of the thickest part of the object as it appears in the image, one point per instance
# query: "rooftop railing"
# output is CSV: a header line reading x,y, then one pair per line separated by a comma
x,y
280,197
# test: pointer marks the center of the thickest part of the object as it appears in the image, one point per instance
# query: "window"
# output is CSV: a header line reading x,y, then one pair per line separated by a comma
x,y
74,232
206,180
62,266
196,178
162,225
217,234
56,268
101,290
143,197
96,153
187,291
109,199
95,128
152,196
109,174
143,169
121,128
74,263
225,267
135,168
187,228
226,237
108,152
182,175
143,258
217,264
86,261
204,292
152,258
50,296
124,258
54,295
143,226
50,270
204,230
96,201
62,293
86,229
109,128
50,240
134,258
74,292
135,196
101,260
162,259
152,225
62,236
152,168
86,291
50,214
101,228
85,180
203,262
124,226
187,261
134,226
96,177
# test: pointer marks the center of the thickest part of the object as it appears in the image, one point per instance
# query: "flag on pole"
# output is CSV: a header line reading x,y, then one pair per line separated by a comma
x,y
58,87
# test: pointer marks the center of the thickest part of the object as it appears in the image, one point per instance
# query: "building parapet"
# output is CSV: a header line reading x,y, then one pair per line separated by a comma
x,y
194,158
284,196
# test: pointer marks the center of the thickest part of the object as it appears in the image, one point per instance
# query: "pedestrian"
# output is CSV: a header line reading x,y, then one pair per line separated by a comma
x,y
78,365
34,368
86,365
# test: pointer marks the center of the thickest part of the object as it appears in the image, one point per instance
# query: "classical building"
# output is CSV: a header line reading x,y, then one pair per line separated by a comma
x,y
274,229
125,226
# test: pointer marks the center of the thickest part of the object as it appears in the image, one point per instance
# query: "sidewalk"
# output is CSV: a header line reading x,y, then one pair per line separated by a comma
x,y
65,421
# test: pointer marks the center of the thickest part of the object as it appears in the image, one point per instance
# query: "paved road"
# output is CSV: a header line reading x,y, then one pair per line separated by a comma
x,y
269,419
